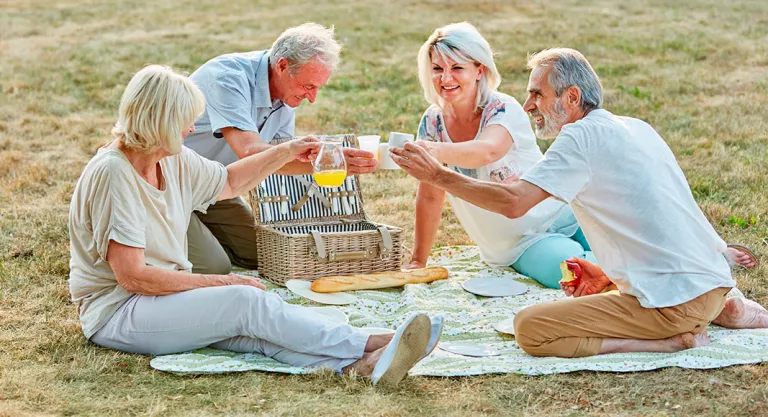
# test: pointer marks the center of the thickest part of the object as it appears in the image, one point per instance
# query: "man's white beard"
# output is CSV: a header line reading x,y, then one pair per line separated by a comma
x,y
553,123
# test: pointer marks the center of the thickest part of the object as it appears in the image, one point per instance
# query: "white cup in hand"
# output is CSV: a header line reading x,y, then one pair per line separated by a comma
x,y
398,140
385,161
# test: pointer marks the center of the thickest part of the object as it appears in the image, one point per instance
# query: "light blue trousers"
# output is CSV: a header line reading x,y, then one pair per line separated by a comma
x,y
233,317
542,260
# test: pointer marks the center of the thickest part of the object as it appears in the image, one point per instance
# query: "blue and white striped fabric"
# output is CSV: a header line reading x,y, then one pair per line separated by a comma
x,y
327,228
296,188
313,208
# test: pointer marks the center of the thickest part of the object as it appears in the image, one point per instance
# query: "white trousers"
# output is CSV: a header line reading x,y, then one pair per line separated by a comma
x,y
237,318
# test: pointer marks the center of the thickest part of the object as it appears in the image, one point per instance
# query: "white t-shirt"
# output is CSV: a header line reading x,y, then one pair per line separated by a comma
x,y
496,236
112,202
635,208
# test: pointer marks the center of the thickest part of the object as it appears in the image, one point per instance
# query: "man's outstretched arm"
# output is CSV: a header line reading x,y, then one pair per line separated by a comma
x,y
512,200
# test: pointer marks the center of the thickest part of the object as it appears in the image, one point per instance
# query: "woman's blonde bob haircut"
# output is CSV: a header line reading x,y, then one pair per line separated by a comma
x,y
157,106
461,43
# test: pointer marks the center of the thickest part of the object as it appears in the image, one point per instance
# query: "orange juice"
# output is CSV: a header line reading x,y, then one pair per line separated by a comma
x,y
332,178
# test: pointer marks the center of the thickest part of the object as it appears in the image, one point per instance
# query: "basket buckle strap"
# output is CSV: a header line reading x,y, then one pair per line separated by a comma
x,y
319,245
323,255
385,246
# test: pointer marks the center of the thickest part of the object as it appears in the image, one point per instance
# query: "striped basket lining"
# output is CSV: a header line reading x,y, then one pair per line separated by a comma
x,y
326,228
269,213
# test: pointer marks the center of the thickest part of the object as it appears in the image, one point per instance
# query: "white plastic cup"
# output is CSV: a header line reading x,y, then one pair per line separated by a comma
x,y
370,143
398,140
385,161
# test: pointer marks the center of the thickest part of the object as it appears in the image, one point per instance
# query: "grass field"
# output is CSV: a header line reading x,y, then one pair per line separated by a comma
x,y
697,70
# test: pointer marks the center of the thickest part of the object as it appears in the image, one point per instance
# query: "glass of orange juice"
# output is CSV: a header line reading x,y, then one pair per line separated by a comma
x,y
330,167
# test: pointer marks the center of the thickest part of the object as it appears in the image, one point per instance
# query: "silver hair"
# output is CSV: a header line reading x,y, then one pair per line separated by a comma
x,y
570,68
462,43
304,43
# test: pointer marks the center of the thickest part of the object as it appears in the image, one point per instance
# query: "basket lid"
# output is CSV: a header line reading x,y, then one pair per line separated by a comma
x,y
295,199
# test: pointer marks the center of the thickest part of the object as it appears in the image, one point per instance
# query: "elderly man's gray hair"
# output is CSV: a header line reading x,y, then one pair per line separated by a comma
x,y
570,67
301,44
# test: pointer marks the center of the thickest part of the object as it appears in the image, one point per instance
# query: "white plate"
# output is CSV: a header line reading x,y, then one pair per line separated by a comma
x,y
330,314
377,330
494,287
507,326
469,350
302,288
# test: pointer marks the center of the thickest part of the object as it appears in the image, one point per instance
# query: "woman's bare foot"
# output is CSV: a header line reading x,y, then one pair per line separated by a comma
x,y
378,341
740,313
364,366
739,256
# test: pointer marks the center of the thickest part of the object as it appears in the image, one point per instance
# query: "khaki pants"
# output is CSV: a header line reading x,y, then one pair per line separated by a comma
x,y
222,237
576,327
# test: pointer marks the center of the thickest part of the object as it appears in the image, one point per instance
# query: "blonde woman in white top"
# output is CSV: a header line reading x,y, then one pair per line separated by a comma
x,y
484,134
129,271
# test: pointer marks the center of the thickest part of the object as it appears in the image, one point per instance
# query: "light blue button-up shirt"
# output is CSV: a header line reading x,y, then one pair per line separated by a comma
x,y
236,89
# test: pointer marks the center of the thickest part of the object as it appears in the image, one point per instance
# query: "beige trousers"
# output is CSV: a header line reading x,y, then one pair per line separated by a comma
x,y
576,327
222,237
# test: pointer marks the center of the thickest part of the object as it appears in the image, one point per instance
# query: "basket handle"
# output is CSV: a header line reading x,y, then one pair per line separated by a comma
x,y
320,253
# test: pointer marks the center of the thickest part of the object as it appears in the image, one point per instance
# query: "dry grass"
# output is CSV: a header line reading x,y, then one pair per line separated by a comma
x,y
697,70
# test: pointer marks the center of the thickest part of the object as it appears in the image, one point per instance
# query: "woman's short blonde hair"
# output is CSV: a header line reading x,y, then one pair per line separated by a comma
x,y
157,106
462,43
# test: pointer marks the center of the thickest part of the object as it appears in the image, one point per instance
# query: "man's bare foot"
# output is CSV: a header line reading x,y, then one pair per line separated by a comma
x,y
688,341
669,345
739,255
740,313
364,366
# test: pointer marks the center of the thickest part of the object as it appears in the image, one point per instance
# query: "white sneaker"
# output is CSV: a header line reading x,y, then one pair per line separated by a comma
x,y
406,348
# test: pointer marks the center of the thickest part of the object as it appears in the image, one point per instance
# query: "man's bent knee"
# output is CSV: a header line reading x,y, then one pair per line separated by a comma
x,y
217,265
528,333
525,330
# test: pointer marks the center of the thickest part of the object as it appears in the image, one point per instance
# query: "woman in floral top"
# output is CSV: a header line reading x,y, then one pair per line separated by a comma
x,y
482,133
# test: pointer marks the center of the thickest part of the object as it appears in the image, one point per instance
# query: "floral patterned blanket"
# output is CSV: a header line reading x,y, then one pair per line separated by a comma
x,y
469,320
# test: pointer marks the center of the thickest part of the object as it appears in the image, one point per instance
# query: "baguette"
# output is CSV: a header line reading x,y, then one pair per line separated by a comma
x,y
378,280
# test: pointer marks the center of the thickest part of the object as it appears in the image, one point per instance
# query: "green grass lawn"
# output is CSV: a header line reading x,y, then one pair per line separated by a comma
x,y
696,70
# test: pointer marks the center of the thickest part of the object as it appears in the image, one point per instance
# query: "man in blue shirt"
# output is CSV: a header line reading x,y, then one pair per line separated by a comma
x,y
250,100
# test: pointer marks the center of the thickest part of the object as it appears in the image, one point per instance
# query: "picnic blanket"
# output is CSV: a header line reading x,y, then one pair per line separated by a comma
x,y
468,320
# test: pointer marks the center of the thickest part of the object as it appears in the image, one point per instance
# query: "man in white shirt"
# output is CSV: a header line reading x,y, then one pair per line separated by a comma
x,y
250,100
636,210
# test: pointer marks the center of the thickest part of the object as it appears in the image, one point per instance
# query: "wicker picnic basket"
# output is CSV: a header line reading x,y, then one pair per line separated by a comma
x,y
306,232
